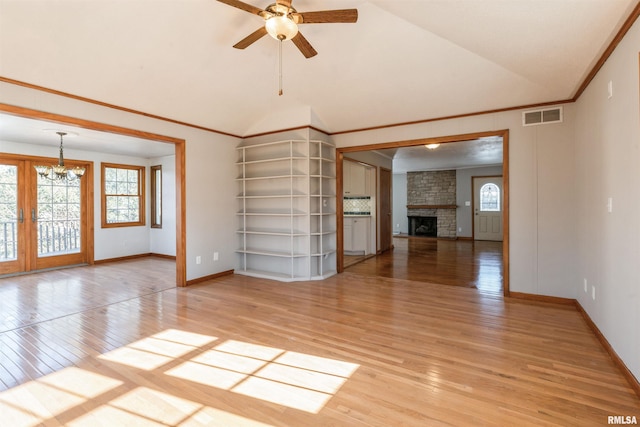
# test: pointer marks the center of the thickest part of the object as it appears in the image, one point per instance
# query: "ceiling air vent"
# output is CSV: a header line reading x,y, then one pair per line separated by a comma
x,y
540,117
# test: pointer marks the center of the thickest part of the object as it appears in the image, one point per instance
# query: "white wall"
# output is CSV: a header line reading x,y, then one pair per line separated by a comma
x,y
607,164
400,220
210,174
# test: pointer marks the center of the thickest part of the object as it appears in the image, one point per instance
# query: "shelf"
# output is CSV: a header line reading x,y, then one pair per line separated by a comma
x,y
324,233
266,232
281,175
322,176
267,252
267,144
270,275
279,159
270,196
273,212
286,226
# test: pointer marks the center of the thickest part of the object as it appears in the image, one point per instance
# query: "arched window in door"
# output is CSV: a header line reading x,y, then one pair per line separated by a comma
x,y
490,197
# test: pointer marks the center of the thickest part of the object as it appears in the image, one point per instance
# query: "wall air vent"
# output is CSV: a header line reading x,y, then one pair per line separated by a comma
x,y
542,117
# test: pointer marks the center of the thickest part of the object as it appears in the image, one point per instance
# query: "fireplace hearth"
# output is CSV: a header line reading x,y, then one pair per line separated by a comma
x,y
423,226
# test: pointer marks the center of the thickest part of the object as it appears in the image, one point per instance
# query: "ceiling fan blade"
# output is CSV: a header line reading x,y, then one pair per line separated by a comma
x,y
244,6
304,46
327,16
251,38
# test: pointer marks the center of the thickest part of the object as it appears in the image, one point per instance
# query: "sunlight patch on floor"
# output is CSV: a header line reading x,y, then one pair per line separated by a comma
x,y
30,403
78,397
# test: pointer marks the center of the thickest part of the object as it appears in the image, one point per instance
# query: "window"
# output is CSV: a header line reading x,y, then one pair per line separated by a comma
x,y
490,198
122,195
156,196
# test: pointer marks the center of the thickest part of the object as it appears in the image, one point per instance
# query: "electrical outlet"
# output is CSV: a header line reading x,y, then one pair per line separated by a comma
x,y
198,259
593,293
586,289
610,89
610,204
215,256
459,229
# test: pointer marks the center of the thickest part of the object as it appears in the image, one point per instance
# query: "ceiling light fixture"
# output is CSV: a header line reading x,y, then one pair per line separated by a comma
x,y
281,27
60,172
432,146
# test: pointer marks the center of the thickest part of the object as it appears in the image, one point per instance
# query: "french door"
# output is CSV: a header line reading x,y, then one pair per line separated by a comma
x,y
43,223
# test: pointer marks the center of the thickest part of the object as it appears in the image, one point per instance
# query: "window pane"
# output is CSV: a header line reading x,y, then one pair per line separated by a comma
x,y
490,197
156,196
58,217
123,187
8,212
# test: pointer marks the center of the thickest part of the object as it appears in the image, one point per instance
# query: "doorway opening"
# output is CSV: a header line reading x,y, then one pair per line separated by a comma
x,y
470,138
179,150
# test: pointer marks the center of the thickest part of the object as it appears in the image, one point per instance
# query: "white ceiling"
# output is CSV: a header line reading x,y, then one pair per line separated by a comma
x,y
453,155
402,61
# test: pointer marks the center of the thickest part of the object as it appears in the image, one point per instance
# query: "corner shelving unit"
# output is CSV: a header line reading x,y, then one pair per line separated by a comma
x,y
287,212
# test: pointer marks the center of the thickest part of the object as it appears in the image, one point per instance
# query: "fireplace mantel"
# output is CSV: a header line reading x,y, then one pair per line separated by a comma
x,y
432,206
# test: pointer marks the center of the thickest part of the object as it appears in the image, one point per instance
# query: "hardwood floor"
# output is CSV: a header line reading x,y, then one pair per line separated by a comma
x,y
474,264
353,350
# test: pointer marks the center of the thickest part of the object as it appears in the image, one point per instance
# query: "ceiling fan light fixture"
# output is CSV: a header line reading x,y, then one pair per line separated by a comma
x,y
432,146
281,27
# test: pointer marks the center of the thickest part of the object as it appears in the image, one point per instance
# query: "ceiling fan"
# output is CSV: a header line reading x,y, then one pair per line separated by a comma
x,y
281,22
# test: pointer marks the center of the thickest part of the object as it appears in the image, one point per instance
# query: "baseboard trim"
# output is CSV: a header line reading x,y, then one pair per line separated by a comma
x,y
170,257
633,381
464,238
136,256
121,258
542,298
209,277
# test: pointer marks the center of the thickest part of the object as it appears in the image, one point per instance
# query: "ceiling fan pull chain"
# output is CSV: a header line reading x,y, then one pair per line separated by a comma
x,y
280,67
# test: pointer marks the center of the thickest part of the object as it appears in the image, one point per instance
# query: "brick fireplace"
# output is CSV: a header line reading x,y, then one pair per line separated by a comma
x,y
432,194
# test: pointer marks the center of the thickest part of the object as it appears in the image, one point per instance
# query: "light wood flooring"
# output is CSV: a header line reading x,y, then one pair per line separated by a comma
x,y
118,345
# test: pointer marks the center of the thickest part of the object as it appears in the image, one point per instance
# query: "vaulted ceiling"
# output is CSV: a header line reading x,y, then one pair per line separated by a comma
x,y
402,61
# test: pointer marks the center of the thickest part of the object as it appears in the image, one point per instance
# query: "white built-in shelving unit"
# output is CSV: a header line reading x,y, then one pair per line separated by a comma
x,y
287,214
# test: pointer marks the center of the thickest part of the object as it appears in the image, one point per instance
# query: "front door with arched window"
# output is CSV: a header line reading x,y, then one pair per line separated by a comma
x,y
487,209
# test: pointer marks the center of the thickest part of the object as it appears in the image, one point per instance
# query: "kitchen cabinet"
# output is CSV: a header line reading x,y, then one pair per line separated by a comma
x,y
354,178
356,235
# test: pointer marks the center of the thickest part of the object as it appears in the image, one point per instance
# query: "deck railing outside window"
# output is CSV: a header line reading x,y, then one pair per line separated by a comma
x,y
54,238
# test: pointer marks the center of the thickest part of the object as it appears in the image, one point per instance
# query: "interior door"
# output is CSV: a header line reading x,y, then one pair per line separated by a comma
x,y
43,223
487,208
385,209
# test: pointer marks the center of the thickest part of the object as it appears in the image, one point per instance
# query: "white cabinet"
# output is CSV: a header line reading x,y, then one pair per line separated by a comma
x,y
354,178
287,209
356,235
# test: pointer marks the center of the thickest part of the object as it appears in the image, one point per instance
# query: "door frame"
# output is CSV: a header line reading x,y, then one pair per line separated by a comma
x,y
504,133
389,216
180,164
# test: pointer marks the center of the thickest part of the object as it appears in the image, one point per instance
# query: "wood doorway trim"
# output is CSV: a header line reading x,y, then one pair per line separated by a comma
x,y
504,133
179,144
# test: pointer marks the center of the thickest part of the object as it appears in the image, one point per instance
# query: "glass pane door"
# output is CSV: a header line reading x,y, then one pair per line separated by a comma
x,y
58,220
56,216
11,218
